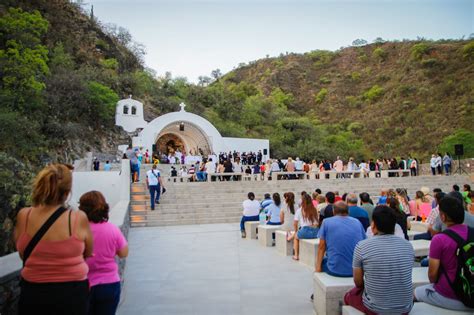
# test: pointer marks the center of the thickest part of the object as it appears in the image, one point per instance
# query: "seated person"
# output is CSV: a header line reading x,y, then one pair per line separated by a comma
x,y
357,212
251,211
443,260
307,218
431,219
372,283
274,209
327,211
267,201
338,237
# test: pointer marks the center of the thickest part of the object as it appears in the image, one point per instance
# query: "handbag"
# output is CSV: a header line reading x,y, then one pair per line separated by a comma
x,y
41,232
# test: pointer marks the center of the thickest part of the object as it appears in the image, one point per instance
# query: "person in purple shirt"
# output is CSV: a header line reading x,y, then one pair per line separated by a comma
x,y
443,257
338,237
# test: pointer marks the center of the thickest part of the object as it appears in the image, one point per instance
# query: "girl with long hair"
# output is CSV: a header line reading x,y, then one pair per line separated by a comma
x,y
307,219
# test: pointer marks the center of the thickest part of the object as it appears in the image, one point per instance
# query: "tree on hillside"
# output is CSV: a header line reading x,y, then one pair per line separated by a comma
x,y
359,42
216,74
23,59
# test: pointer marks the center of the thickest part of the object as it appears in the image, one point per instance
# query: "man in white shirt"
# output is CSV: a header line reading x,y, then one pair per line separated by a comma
x,y
251,211
298,165
210,167
154,184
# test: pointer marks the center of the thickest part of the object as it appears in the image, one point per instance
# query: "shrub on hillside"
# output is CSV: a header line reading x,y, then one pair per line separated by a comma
x,y
380,54
321,57
468,50
429,63
420,50
373,93
321,95
355,76
324,80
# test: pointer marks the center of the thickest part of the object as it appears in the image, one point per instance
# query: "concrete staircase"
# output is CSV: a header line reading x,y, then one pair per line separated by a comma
x,y
220,202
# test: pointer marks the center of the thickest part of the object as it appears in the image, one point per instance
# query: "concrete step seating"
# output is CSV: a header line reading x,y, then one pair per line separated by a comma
x,y
418,309
192,203
329,291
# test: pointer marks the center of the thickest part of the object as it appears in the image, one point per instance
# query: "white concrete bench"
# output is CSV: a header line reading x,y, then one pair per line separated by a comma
x,y
251,229
400,173
411,234
265,234
309,251
329,291
419,226
282,245
421,247
418,309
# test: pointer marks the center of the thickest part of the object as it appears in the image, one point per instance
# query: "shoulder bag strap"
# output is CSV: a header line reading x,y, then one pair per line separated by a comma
x,y
40,233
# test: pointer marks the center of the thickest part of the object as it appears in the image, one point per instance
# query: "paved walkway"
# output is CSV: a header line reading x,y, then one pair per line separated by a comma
x,y
209,269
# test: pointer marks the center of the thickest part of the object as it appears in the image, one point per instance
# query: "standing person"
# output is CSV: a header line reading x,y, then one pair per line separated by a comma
x,y
96,164
54,275
433,164
338,237
132,156
443,262
154,184
104,279
338,166
447,161
372,282
274,210
439,163
306,218
107,166
413,167
251,211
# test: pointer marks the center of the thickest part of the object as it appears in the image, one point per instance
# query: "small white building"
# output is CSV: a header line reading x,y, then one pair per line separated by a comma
x,y
180,131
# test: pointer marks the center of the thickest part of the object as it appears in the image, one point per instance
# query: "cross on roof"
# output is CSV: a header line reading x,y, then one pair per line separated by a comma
x,y
182,105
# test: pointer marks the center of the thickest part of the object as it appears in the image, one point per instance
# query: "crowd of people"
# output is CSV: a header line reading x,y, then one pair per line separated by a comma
x,y
252,166
68,256
358,235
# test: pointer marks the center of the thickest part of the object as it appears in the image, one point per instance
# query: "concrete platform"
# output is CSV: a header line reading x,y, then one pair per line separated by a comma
x,y
210,269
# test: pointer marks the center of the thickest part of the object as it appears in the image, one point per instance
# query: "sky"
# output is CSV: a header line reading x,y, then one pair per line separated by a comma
x,y
191,38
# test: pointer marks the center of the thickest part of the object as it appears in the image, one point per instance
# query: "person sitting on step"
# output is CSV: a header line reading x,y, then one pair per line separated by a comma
x,y
443,262
372,282
306,218
251,211
274,210
338,237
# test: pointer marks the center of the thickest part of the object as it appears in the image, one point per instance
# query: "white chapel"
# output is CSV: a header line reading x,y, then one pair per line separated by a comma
x,y
180,131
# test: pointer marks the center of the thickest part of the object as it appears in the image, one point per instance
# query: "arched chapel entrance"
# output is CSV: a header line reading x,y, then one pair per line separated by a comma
x,y
184,137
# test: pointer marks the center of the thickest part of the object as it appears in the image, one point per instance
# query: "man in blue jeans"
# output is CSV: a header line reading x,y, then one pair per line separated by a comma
x,y
154,184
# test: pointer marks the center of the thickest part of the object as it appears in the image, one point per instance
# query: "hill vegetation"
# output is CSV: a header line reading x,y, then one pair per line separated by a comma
x,y
62,72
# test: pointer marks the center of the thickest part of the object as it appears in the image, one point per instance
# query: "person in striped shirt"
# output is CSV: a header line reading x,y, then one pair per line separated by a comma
x,y
382,264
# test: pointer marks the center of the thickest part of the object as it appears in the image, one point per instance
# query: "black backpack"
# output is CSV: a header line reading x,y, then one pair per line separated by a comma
x,y
463,285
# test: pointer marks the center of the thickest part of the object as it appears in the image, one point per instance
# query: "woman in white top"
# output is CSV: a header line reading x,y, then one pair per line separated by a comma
x,y
287,215
307,218
274,210
250,213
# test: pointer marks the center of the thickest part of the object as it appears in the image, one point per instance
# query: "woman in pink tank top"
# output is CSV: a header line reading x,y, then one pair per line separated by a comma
x,y
108,242
54,276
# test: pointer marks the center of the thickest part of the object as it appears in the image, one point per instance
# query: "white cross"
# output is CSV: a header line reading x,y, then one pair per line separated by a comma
x,y
182,105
